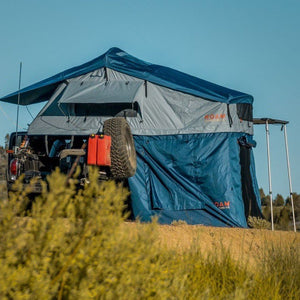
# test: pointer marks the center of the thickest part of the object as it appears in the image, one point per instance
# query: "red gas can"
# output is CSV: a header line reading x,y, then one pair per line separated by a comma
x,y
99,150
103,151
92,150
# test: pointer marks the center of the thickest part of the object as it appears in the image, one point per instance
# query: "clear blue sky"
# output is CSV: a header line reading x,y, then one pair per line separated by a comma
x,y
251,46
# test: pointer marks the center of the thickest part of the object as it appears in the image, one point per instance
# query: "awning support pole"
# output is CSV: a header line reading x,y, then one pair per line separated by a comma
x,y
269,173
289,174
18,107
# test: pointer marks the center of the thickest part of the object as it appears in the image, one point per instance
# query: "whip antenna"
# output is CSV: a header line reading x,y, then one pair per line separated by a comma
x,y
19,95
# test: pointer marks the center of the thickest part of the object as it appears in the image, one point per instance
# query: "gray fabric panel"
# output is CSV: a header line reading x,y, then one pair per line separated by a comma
x,y
95,88
45,125
85,126
57,92
165,111
162,111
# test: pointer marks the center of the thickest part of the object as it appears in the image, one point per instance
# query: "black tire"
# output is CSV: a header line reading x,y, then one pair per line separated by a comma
x,y
123,155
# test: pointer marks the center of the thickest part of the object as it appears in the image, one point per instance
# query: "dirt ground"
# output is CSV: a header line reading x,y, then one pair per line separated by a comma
x,y
243,244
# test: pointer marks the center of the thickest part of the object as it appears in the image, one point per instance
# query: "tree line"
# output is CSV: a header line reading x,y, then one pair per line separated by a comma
x,y
282,210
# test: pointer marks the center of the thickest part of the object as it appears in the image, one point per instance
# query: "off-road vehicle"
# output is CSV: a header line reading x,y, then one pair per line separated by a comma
x,y
111,150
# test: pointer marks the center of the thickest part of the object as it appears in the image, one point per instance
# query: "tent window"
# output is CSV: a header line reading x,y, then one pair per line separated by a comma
x,y
245,111
106,109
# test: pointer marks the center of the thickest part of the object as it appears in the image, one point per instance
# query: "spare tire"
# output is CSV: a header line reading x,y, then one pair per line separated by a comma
x,y
123,155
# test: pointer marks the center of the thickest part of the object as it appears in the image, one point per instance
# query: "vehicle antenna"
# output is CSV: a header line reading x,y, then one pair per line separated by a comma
x,y
19,95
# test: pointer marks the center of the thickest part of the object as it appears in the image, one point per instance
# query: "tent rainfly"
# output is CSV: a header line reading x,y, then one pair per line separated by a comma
x,y
193,138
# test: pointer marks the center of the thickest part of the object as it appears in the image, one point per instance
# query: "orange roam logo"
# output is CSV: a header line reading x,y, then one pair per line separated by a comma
x,y
223,205
215,117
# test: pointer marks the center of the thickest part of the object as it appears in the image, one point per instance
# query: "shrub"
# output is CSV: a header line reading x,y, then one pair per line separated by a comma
x,y
74,245
52,250
258,223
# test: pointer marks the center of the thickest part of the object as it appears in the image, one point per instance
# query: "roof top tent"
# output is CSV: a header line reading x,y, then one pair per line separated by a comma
x,y
266,122
193,138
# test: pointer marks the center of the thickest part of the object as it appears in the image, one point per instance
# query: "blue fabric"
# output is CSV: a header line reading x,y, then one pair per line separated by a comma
x,y
121,61
194,177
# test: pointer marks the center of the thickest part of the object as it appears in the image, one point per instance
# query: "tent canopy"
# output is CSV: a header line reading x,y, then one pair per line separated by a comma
x,y
118,60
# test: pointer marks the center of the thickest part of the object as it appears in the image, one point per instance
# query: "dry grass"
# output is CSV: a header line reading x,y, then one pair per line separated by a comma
x,y
76,245
243,244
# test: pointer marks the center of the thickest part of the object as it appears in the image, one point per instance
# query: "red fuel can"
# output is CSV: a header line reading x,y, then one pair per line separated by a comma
x,y
92,150
103,151
99,150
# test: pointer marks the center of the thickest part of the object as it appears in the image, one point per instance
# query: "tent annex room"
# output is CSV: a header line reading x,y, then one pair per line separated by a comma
x,y
193,138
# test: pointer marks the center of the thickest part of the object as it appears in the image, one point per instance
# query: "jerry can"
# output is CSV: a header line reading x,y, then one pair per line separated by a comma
x,y
103,150
92,150
99,150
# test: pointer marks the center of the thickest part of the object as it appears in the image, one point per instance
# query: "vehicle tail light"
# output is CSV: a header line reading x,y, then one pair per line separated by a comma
x,y
14,167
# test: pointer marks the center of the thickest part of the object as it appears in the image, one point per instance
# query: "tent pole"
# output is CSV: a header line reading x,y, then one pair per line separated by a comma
x,y
289,174
17,123
269,173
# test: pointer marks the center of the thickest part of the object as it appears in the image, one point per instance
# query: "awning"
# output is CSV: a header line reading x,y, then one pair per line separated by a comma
x,y
262,121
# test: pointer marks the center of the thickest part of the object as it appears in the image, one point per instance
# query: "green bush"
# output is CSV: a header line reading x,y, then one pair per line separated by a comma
x,y
74,245
258,223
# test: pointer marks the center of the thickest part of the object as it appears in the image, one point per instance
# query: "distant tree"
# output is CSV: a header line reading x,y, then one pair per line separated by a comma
x,y
267,213
282,210
262,193
6,141
296,198
279,200
281,217
265,201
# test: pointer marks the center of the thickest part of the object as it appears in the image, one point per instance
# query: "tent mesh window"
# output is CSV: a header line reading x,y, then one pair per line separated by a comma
x,y
245,111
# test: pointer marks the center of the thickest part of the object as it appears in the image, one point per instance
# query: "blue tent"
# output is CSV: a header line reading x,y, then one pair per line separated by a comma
x,y
193,138
120,61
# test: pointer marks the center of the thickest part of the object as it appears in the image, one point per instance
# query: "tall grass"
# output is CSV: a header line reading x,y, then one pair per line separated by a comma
x,y
73,245
3,191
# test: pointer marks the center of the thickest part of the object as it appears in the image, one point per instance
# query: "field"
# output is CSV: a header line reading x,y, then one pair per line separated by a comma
x,y
78,245
244,245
